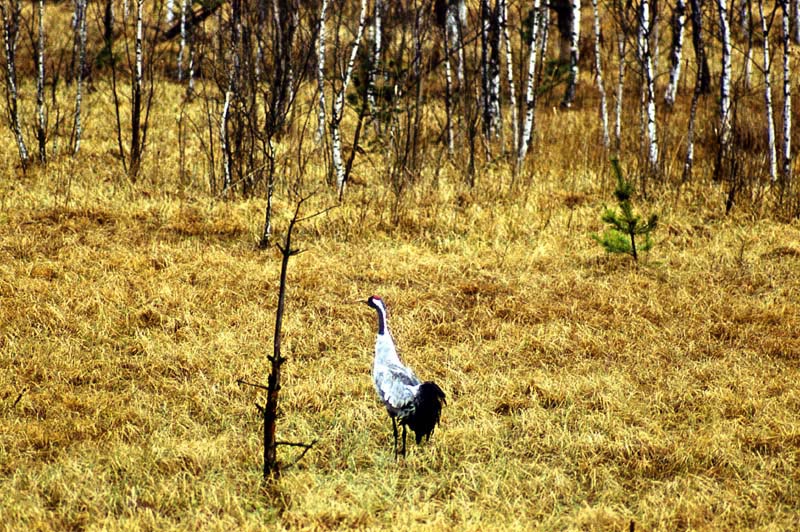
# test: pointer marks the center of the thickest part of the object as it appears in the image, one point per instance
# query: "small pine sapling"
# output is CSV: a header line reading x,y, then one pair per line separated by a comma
x,y
625,226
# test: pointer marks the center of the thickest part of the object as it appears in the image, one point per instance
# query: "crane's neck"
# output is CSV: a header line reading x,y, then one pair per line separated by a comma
x,y
382,325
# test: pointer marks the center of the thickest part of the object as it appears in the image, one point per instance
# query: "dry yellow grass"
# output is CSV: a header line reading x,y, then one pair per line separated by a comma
x,y
582,392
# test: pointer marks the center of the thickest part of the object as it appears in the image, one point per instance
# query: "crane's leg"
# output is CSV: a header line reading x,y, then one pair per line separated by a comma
x,y
404,441
394,427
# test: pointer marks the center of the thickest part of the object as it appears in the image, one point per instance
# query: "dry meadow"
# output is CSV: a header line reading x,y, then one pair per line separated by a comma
x,y
584,392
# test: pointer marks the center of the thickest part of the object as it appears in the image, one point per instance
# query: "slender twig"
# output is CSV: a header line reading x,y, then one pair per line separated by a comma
x,y
242,382
306,447
19,397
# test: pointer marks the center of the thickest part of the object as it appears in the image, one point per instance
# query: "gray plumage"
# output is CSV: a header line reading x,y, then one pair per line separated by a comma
x,y
409,401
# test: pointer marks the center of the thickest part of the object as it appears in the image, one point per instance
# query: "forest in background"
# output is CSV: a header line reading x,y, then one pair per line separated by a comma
x,y
680,91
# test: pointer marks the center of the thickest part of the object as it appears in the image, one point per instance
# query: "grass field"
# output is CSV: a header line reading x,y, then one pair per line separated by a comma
x,y
583,392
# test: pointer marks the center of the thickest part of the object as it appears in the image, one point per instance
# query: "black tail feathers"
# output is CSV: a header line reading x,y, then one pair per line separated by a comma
x,y
427,410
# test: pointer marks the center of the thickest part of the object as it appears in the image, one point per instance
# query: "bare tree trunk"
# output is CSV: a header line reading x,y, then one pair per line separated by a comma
x,y
41,128
574,53
530,85
374,65
108,30
747,26
338,103
649,81
724,83
136,99
622,52
771,151
182,42
490,69
786,172
170,8
321,72
11,19
688,164
512,89
598,52
80,15
797,21
699,46
676,53
457,27
448,90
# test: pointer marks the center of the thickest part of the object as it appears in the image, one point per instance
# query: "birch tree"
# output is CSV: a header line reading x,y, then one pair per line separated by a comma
x,y
374,65
11,18
574,52
648,89
490,68
530,85
338,103
598,51
182,41
456,22
622,52
797,21
771,151
136,94
80,28
443,10
725,81
41,125
747,28
786,170
512,91
676,51
321,71
699,46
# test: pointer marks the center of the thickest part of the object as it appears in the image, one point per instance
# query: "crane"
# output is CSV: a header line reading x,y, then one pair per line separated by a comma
x,y
409,401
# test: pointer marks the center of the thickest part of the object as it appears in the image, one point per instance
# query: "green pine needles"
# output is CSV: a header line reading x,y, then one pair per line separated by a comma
x,y
625,226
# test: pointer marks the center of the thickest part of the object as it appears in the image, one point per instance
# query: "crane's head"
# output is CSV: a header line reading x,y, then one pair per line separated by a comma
x,y
377,303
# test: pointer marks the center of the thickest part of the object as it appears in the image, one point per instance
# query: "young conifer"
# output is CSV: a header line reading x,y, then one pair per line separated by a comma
x,y
625,226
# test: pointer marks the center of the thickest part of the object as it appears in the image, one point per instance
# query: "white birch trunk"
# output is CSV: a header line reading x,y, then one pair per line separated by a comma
x,y
530,85
182,43
190,73
376,32
338,103
676,54
223,136
512,90
490,71
448,95
574,53
622,52
598,51
797,21
747,28
170,16
40,112
321,72
725,79
80,13
771,151
494,73
649,91
786,171
10,34
136,92
456,24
